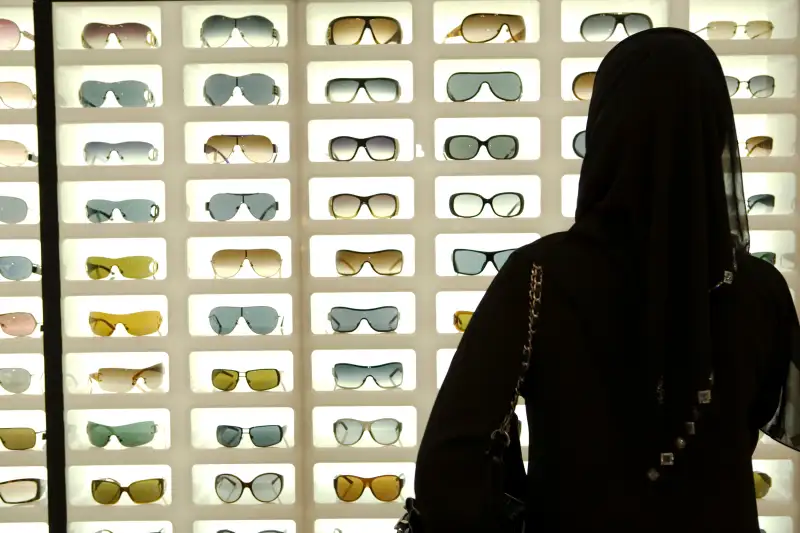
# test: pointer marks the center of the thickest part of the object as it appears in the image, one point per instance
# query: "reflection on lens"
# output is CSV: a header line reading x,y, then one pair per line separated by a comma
x,y
136,211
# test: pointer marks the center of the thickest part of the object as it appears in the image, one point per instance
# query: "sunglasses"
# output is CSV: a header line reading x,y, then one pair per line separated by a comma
x,y
345,90
128,435
380,319
227,263
20,438
129,152
12,210
383,262
473,262
17,268
583,85
261,319
119,380
137,211
108,491
385,488
385,431
347,206
759,146
724,29
265,488
258,89
769,257
350,30
484,27
766,201
128,93
759,86
131,267
385,376
18,324
15,154
464,86
11,35
257,31
466,147
136,324
258,380
600,27
378,148
15,95
15,380
129,35
470,205
762,482
579,144
224,206
256,148
260,436
25,490
461,320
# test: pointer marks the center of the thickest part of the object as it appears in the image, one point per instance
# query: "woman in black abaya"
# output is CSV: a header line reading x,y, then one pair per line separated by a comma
x,y
662,345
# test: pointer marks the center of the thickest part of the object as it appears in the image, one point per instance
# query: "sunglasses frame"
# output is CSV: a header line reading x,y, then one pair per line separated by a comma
x,y
748,82
211,314
14,313
246,431
764,199
155,210
577,79
737,26
397,38
369,375
112,433
364,201
365,312
30,157
246,258
481,144
238,138
152,153
276,36
362,143
575,144
249,485
239,373
619,18
40,484
158,368
369,256
367,484
33,95
126,489
244,202
482,83
362,84
276,91
366,427
458,30
35,439
114,262
150,98
149,33
486,201
488,257
94,319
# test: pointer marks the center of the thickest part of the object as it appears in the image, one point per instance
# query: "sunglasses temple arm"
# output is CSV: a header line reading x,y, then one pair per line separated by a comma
x,y
33,158
29,36
455,32
207,146
282,384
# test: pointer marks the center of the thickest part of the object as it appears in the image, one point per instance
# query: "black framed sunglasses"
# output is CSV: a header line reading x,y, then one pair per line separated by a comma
x,y
473,262
765,201
381,319
345,90
579,144
378,148
466,147
350,30
470,205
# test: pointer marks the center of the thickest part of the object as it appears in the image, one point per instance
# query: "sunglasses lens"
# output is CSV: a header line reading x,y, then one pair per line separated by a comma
x,y
263,379
769,257
759,29
228,487
583,85
461,147
386,488
116,380
262,319
20,491
95,35
636,22
461,320
130,93
146,491
382,89
16,95
9,34
383,205
98,434
130,153
216,30
732,84
385,431
229,436
15,380
227,263
381,148
469,262
349,376
136,434
18,438
106,492
218,148
257,148
762,86
218,89
344,319
721,29
349,488
345,206
261,205
133,35
597,28
224,206
257,31
139,210
385,30
12,210
764,202
15,268
502,147
348,431
463,86
484,28
142,323
383,319
13,154
18,324
137,267
265,263
759,146
343,148
579,144
342,90
267,487
347,31
223,319
259,89
265,436
224,380
467,205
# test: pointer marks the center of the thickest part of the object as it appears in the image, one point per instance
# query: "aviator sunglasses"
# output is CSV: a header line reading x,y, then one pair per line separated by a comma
x,y
11,35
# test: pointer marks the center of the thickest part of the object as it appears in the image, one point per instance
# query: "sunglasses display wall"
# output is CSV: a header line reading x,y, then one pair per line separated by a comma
x,y
277,220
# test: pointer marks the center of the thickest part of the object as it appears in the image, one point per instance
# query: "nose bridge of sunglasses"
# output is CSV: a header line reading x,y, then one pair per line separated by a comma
x,y
113,40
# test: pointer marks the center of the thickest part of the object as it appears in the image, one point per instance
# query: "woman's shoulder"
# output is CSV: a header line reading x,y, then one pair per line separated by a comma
x,y
539,250
762,278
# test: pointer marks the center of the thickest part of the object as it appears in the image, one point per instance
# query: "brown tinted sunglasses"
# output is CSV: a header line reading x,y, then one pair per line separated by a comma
x,y
484,27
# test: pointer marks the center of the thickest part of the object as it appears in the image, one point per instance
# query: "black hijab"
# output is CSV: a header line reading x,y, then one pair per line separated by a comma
x,y
661,184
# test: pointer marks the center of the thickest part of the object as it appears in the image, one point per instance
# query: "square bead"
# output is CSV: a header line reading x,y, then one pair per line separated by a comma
x,y
704,396
667,459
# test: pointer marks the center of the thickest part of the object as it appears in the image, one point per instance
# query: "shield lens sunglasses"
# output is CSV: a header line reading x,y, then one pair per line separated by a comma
x,y
257,31
385,488
378,148
378,90
759,86
583,85
759,146
350,30
470,205
261,319
484,27
15,95
135,210
256,148
383,262
227,263
260,436
265,487
380,319
473,262
131,267
262,379
129,93
347,206
129,34
108,491
725,29
461,320
24,490
385,431
11,35
385,376
17,268
600,27
19,438
129,152
120,380
765,203
128,435
15,380
18,324
258,89
466,147
136,324
15,154
12,210
224,206
464,86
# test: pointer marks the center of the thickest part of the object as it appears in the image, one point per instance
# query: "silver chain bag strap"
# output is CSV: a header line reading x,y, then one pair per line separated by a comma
x,y
508,511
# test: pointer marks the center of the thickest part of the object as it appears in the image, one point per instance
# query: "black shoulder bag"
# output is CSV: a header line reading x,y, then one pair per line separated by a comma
x,y
507,510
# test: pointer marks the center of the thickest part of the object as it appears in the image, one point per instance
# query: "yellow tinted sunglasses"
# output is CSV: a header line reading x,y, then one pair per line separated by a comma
x,y
131,267
461,320
136,324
